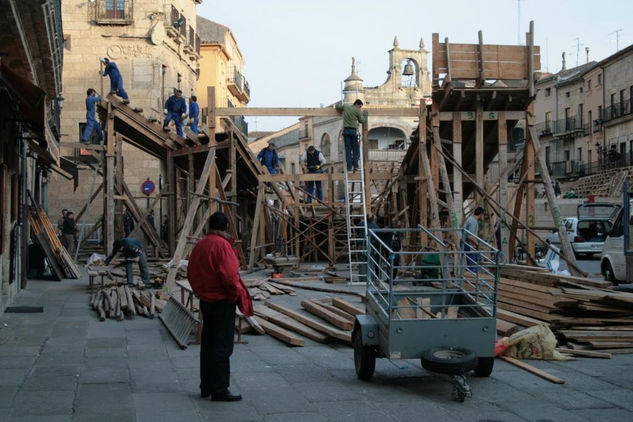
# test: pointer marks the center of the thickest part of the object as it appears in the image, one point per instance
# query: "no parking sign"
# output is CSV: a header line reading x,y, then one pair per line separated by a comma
x,y
148,187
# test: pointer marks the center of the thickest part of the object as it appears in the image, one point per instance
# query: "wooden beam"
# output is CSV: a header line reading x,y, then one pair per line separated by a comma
x,y
289,323
458,187
489,115
279,333
533,370
324,177
314,112
503,181
479,149
255,228
108,213
324,328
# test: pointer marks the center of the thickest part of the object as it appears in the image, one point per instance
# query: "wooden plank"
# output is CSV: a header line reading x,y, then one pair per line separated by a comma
x,y
279,333
318,288
331,317
585,353
338,311
285,321
523,320
533,370
315,112
347,307
327,329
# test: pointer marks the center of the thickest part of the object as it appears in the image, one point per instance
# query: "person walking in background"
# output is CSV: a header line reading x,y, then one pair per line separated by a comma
x,y
557,189
116,81
175,109
351,118
194,113
91,122
150,219
214,275
60,222
313,160
132,251
128,223
68,233
269,158
470,239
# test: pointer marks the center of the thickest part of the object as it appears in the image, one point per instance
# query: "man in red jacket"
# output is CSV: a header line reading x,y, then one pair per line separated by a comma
x,y
213,273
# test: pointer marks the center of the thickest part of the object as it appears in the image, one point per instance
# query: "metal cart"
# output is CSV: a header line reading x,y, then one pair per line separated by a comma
x,y
433,301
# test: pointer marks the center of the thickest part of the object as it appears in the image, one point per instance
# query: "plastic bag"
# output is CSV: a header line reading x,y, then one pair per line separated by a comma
x,y
96,259
537,342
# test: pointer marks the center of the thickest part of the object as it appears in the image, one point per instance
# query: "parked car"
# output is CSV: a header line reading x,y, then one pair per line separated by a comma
x,y
612,261
588,231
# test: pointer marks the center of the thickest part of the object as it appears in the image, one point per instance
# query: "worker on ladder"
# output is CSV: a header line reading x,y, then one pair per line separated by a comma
x,y
313,160
351,118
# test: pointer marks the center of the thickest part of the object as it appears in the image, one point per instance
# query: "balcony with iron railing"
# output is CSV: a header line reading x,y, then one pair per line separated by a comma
x,y
238,85
114,12
569,127
618,110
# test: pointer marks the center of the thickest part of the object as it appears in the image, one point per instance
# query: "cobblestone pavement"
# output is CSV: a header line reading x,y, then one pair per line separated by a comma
x,y
64,364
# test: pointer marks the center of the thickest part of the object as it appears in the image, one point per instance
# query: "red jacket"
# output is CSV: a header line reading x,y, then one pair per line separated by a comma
x,y
214,273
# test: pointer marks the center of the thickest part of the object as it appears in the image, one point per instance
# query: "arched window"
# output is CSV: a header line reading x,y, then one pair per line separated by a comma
x,y
325,146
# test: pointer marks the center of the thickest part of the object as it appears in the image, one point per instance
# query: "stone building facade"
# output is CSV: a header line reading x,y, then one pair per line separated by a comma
x,y
155,45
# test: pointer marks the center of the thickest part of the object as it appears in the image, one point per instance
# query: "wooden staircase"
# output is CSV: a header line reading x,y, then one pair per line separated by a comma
x,y
605,183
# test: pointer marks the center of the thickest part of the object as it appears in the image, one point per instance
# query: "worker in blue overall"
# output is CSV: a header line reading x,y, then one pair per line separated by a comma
x,y
194,113
269,158
116,81
313,160
176,110
91,123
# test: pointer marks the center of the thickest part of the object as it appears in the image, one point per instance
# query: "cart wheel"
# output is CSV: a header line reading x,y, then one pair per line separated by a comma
x,y
364,357
484,366
449,360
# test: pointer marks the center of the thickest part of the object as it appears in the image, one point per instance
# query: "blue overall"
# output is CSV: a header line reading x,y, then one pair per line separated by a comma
x,y
175,107
270,159
91,122
194,112
116,81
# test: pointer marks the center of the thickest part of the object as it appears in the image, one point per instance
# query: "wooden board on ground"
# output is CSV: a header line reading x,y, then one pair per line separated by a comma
x,y
347,307
279,333
287,322
585,353
532,369
319,326
318,310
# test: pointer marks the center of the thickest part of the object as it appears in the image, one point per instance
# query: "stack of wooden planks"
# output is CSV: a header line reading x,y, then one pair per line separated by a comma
x,y
335,321
117,301
261,289
583,313
61,263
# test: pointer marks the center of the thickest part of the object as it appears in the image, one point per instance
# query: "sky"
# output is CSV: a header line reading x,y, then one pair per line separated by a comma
x,y
298,52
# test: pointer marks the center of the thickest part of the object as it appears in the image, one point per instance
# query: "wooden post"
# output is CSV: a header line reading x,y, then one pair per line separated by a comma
x,y
366,165
458,188
232,194
171,205
479,148
109,182
118,206
503,181
330,232
530,215
426,166
518,201
439,158
254,231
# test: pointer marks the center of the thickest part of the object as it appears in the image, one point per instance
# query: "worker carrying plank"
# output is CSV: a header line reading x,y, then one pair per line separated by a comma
x,y
313,160
132,251
116,81
351,118
214,274
175,109
91,122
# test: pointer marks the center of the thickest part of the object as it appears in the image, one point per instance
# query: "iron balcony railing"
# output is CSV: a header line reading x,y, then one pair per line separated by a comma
x,y
570,126
618,110
114,11
241,124
240,82
396,155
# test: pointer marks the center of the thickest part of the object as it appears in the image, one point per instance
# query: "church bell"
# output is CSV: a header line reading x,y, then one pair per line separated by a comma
x,y
408,69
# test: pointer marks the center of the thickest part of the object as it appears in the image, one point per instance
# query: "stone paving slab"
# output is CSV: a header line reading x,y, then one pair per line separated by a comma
x,y
67,365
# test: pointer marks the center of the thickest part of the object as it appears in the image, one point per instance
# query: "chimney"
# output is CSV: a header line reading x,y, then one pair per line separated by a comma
x,y
587,51
563,55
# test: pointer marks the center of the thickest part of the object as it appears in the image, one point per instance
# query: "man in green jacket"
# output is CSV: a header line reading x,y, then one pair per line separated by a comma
x,y
351,118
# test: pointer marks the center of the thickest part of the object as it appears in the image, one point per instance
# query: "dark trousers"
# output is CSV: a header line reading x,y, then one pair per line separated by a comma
x,y
352,148
216,346
311,184
142,266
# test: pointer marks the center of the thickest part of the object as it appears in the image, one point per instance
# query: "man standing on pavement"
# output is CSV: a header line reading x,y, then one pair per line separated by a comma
x,y
68,233
313,160
194,113
175,109
91,122
213,273
269,158
470,240
60,222
351,118
132,251
116,81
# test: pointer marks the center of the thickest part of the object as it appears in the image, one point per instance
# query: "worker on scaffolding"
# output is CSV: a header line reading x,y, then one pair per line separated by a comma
x,y
116,81
91,122
470,240
269,158
194,113
176,110
351,118
313,160
132,251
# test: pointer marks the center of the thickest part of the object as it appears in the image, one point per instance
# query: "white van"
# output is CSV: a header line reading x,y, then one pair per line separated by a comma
x,y
612,262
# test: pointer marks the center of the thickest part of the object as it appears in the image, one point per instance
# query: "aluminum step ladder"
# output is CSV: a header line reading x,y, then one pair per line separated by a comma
x,y
356,215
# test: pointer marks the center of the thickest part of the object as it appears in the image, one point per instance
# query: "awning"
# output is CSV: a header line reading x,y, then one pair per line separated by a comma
x,y
31,98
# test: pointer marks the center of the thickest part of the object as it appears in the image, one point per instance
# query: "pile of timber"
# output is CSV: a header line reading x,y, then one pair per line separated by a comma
x,y
335,321
116,302
261,289
583,313
61,263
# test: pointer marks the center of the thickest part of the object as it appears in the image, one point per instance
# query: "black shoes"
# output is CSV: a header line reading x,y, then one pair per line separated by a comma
x,y
225,396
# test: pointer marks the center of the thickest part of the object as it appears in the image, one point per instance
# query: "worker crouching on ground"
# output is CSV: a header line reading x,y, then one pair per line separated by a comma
x,y
313,160
351,118
132,251
470,242
116,81
175,109
269,158
213,272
